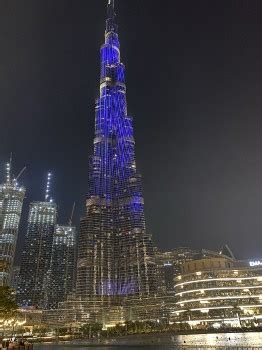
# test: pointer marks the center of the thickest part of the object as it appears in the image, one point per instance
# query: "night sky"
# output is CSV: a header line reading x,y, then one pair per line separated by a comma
x,y
194,81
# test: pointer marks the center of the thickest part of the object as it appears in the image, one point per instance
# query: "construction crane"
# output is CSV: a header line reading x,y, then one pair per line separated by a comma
x,y
70,222
20,174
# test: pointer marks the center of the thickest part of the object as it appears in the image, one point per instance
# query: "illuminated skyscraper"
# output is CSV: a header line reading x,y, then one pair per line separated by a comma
x,y
11,202
62,266
37,252
115,254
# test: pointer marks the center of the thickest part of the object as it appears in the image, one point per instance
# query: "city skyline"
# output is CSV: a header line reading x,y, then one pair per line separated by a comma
x,y
211,195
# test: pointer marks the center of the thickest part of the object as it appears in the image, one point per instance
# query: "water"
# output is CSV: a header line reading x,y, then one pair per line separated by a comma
x,y
166,342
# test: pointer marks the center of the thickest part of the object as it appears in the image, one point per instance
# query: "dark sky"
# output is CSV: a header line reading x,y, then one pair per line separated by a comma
x,y
194,75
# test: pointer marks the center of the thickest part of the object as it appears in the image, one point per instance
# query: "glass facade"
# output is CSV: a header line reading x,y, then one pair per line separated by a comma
x,y
115,255
218,292
11,203
36,255
62,265
169,266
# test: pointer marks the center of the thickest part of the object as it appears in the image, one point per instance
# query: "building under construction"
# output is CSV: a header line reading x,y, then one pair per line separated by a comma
x,y
11,203
36,254
62,265
37,251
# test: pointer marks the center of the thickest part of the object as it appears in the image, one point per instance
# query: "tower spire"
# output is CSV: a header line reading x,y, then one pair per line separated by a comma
x,y
111,15
47,190
111,8
8,169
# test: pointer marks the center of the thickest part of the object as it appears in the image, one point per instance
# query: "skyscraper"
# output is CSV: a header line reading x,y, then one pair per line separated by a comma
x,y
36,255
11,202
116,255
62,265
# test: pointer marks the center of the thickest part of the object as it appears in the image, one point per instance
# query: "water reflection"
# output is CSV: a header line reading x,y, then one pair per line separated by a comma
x,y
167,341
226,339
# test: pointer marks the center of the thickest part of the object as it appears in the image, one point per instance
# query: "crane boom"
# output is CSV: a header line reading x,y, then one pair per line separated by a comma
x,y
20,174
72,214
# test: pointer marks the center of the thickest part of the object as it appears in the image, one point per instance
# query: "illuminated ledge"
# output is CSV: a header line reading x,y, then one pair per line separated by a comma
x,y
206,309
220,298
223,320
218,288
258,278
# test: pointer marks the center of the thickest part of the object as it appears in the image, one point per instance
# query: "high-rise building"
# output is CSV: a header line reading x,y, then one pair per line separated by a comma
x,y
62,265
37,252
15,279
11,202
169,265
116,255
116,270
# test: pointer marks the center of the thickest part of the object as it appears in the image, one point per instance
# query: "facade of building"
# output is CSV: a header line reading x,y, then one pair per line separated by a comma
x,y
36,255
169,266
218,292
15,279
115,255
62,265
11,203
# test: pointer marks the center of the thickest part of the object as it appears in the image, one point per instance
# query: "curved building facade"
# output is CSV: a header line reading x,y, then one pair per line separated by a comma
x,y
218,292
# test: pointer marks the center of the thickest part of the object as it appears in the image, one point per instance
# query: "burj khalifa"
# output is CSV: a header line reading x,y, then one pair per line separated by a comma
x,y
115,255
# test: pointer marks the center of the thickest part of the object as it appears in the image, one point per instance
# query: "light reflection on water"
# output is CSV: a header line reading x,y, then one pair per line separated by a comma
x,y
163,342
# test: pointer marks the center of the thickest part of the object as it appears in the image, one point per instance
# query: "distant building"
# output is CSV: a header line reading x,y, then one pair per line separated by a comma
x,y
37,253
218,292
11,203
169,264
62,265
15,279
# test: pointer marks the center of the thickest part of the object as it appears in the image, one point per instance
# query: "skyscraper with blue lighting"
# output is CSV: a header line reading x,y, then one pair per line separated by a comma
x,y
115,255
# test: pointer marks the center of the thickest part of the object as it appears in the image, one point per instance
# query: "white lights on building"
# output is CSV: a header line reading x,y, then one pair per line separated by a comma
x,y
255,263
11,202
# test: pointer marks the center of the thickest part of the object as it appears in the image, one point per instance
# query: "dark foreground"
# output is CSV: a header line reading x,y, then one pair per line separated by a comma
x,y
164,341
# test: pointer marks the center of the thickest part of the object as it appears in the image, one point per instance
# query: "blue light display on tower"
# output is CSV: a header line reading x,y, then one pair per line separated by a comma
x,y
115,253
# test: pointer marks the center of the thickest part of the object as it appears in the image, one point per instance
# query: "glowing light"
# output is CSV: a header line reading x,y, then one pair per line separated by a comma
x,y
258,278
218,298
245,289
255,263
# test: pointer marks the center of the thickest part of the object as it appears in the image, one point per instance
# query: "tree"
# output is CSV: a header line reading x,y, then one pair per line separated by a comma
x,y
91,329
8,305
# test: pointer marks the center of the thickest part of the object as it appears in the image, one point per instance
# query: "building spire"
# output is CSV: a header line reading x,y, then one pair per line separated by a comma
x,y
111,9
111,15
47,190
8,173
8,169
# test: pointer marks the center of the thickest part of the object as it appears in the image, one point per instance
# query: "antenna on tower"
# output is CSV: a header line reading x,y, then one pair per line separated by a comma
x,y
47,190
111,15
72,214
8,169
8,173
111,9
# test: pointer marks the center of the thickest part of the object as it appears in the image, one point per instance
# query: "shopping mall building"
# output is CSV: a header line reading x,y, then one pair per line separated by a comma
x,y
219,292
